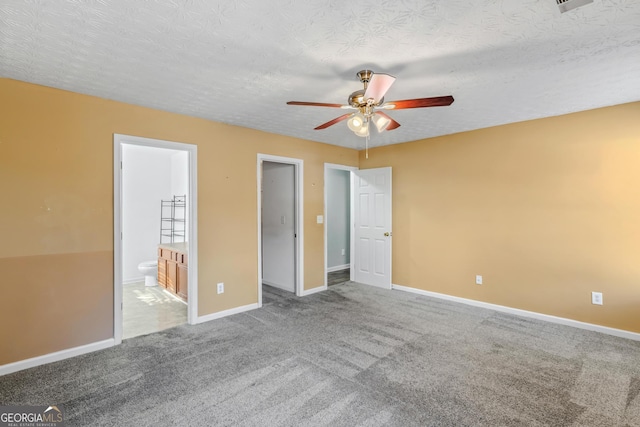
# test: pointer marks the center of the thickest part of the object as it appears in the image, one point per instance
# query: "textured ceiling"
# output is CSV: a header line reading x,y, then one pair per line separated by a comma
x,y
240,61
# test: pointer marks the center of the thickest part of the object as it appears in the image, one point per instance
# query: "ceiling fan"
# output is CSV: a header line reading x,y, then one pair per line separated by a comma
x,y
369,101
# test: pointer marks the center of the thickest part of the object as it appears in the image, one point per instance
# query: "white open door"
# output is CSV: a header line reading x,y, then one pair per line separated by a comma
x,y
372,209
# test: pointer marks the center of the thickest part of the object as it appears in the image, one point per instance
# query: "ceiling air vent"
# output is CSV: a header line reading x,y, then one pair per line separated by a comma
x,y
567,5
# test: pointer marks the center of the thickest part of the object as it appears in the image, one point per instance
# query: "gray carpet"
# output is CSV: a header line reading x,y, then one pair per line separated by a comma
x,y
350,356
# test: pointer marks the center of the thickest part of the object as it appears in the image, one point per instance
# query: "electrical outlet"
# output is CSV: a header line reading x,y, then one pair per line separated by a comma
x,y
478,279
221,288
343,252
596,298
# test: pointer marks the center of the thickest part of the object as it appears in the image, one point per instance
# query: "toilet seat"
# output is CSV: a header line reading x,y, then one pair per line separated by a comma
x,y
148,264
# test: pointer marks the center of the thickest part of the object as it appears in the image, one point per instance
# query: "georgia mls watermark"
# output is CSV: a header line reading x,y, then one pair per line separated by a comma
x,y
31,416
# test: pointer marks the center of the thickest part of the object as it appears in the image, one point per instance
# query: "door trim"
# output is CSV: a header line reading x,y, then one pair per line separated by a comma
x,y
299,229
192,202
328,166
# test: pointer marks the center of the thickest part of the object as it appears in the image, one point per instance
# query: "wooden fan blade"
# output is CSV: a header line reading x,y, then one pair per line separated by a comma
x,y
378,86
391,126
314,104
437,101
333,122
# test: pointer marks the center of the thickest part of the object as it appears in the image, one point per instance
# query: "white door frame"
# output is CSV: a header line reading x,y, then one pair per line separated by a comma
x,y
192,203
299,229
328,166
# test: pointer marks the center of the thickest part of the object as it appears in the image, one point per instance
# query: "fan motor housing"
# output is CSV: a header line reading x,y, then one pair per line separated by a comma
x,y
357,99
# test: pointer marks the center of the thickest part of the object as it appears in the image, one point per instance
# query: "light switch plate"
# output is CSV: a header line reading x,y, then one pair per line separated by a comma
x,y
319,219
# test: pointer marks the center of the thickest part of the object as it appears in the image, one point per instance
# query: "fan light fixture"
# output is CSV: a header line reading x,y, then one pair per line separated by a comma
x,y
364,130
355,122
359,124
380,121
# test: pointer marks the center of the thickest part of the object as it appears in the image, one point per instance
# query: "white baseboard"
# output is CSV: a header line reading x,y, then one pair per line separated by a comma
x,y
55,357
386,287
313,290
338,268
276,285
524,313
225,313
134,280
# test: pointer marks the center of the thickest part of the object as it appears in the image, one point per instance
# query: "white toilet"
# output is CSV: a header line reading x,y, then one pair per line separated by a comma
x,y
150,271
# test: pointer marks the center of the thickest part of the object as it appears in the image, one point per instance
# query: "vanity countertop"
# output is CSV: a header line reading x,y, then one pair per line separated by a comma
x,y
182,247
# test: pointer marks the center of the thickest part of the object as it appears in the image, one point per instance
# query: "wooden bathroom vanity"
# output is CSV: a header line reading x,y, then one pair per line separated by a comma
x,y
172,268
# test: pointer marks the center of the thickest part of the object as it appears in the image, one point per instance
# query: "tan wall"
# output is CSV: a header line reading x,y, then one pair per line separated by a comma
x,y
56,220
546,210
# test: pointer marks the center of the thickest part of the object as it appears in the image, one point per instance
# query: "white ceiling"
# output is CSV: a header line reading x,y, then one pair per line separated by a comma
x,y
240,61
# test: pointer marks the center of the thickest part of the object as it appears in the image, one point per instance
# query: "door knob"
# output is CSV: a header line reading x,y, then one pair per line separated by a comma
x,y
387,234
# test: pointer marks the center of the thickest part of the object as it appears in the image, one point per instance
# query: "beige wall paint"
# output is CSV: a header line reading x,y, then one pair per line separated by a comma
x,y
54,302
546,210
56,181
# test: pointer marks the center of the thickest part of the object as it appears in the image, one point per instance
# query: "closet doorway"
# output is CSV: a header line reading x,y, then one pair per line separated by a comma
x,y
338,228
280,231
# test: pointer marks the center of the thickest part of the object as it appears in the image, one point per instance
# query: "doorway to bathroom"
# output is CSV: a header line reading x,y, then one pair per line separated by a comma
x,y
154,236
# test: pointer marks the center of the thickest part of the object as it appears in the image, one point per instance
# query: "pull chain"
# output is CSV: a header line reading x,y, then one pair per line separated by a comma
x,y
366,143
366,150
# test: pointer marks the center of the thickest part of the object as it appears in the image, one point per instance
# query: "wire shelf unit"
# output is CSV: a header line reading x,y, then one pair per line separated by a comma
x,y
173,220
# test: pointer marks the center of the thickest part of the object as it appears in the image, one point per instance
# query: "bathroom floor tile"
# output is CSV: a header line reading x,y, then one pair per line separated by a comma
x,y
149,309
